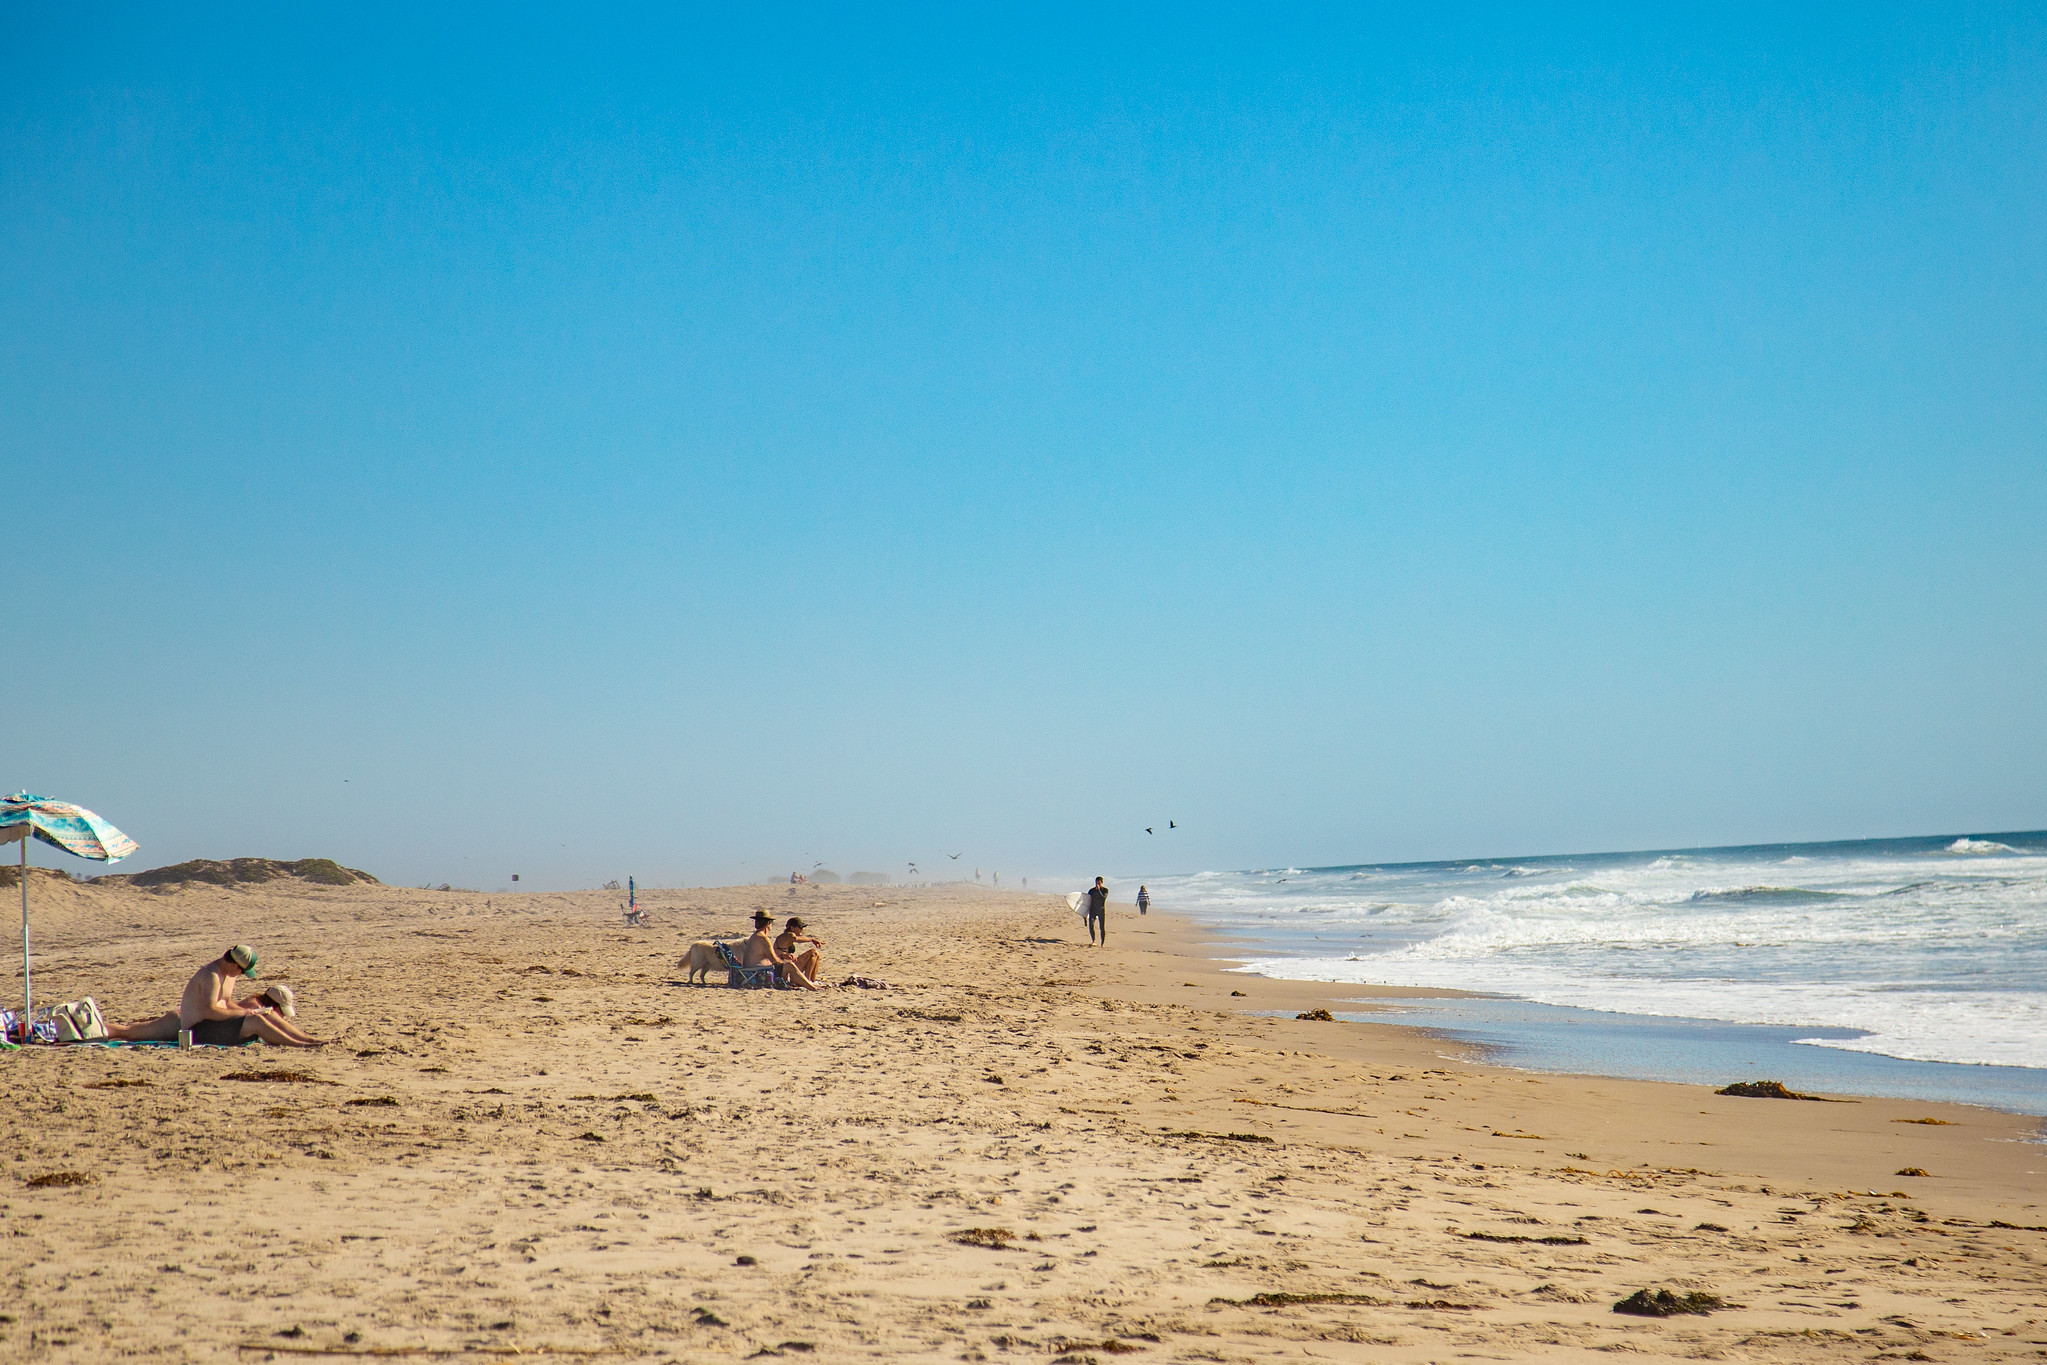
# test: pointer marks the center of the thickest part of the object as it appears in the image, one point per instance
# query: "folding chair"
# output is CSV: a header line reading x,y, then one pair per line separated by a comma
x,y
746,978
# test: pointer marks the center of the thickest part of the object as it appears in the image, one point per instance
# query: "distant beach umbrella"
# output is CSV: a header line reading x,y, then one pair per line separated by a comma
x,y
60,824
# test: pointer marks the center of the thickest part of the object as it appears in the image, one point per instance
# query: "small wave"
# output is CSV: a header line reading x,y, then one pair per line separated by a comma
x,y
1979,846
1768,893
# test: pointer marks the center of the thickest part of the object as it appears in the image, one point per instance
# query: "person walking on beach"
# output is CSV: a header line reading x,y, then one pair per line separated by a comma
x,y
1098,913
1143,901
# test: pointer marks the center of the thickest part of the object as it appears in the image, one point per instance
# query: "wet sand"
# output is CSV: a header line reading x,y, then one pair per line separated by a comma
x,y
534,1137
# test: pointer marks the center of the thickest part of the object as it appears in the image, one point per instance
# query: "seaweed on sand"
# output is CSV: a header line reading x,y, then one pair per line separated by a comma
x,y
1662,1303
995,1239
1771,1090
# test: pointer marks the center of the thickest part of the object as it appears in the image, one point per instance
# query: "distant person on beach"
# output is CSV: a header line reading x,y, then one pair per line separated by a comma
x,y
209,1008
811,960
1098,912
1143,901
759,951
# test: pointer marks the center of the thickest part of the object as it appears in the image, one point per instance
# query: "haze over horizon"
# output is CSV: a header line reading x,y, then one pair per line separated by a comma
x,y
698,448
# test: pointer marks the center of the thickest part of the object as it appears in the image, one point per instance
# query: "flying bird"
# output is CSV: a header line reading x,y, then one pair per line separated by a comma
x,y
1147,829
1171,825
954,856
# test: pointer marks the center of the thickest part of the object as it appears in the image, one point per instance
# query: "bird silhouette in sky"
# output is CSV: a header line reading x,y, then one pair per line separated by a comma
x,y
913,867
1171,825
954,856
1147,829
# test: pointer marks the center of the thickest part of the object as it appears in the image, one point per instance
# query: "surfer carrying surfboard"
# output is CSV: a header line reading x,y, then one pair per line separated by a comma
x,y
1098,913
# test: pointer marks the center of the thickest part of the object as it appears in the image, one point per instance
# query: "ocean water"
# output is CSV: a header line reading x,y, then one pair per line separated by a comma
x,y
1929,950
1520,1033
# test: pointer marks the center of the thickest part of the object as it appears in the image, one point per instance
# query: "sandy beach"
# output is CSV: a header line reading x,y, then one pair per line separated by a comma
x,y
535,1138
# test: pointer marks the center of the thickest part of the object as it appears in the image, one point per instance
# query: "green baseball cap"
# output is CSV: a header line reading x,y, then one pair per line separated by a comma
x,y
243,956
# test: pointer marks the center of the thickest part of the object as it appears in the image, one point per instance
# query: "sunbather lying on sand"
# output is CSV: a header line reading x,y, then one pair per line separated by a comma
x,y
164,1028
759,951
216,1018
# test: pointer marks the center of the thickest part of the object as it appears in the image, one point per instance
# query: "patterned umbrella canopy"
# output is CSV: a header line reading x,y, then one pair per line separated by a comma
x,y
62,825
71,828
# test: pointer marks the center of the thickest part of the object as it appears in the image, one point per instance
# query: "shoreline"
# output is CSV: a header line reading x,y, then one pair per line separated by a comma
x,y
1530,1032
536,1136
1914,948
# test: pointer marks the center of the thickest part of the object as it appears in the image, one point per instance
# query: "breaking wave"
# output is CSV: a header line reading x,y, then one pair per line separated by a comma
x,y
1933,957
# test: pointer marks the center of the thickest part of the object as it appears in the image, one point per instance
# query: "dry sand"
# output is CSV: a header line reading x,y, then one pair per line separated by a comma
x,y
534,1136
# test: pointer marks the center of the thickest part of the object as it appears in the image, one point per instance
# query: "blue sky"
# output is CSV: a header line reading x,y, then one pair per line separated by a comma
x,y
699,446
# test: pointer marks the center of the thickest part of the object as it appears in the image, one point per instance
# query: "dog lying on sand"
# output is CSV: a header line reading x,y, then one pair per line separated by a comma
x,y
701,957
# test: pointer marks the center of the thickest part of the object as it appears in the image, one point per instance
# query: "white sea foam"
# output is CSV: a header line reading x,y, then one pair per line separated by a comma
x,y
1934,958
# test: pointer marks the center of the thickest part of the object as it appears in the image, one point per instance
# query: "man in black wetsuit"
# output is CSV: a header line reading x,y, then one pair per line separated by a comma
x,y
1098,913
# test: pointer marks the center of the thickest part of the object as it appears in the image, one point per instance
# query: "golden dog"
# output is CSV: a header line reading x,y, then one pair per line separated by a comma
x,y
700,958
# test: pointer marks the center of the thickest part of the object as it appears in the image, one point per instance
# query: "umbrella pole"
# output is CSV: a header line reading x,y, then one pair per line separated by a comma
x,y
27,997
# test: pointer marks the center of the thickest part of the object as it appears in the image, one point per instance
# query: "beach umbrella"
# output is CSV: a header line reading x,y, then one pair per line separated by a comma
x,y
62,825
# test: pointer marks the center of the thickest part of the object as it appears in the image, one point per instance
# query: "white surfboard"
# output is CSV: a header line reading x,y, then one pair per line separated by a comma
x,y
1077,902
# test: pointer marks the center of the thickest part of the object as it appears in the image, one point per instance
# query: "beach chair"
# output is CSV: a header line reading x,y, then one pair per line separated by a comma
x,y
746,978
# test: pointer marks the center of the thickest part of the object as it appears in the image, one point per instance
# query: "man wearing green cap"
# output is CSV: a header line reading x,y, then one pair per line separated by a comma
x,y
216,1019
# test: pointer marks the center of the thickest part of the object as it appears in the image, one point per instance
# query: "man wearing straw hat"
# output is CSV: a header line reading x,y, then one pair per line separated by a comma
x,y
759,951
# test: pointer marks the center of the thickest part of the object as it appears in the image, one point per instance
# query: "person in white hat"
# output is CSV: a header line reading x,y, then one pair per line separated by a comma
x,y
276,998
209,1008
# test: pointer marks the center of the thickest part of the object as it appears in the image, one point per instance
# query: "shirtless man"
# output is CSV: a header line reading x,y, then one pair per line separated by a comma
x,y
759,951
210,1010
164,1028
810,961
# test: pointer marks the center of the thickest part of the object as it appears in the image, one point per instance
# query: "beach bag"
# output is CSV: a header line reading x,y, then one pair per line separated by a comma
x,y
79,1021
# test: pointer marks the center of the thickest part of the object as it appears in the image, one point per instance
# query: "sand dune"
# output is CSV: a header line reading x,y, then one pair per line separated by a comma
x,y
534,1137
